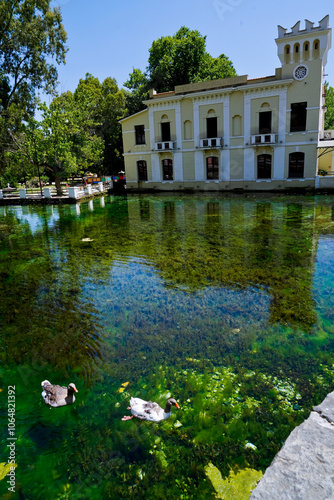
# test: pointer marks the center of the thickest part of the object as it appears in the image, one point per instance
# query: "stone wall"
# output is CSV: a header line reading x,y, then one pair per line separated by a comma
x,y
304,468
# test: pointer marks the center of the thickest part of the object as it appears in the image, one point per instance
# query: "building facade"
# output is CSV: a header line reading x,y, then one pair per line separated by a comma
x,y
238,133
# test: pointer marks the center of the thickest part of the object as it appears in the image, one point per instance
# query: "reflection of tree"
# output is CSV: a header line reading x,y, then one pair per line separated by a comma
x,y
43,315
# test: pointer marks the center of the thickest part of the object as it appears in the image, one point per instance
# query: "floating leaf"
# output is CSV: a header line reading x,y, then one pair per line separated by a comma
x,y
235,486
125,384
86,239
5,468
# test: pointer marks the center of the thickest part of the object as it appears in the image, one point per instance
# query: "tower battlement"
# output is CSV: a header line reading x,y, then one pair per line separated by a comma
x,y
309,27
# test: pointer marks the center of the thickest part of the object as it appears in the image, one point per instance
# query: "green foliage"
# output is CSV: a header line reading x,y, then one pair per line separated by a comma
x,y
236,486
139,86
329,116
176,60
31,35
32,43
102,104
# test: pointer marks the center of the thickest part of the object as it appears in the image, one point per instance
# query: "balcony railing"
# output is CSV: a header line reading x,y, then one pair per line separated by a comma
x,y
263,139
162,146
214,142
327,135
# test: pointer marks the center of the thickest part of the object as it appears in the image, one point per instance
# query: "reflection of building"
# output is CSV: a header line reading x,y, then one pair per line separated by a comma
x,y
235,132
235,243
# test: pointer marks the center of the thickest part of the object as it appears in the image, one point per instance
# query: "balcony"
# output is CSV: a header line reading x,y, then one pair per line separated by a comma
x,y
215,142
259,139
327,135
165,145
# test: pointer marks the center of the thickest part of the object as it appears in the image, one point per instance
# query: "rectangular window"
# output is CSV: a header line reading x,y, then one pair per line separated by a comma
x,y
142,170
211,128
165,131
167,170
296,165
265,122
212,169
140,134
264,166
298,117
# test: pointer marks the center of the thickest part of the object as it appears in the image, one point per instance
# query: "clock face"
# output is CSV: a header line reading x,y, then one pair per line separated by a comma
x,y
300,72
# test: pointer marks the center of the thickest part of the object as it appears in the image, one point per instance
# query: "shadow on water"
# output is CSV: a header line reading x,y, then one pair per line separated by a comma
x,y
223,302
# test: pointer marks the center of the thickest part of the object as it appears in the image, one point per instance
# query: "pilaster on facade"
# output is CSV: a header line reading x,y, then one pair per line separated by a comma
x,y
178,125
196,123
199,166
282,105
247,118
226,117
279,162
152,129
178,166
225,162
156,171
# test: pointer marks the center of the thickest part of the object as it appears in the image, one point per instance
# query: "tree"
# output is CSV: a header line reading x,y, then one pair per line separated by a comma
x,y
32,42
139,85
106,104
70,143
176,60
31,35
329,116
26,154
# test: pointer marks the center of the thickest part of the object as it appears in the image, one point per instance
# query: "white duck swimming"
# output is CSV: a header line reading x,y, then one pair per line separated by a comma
x,y
146,410
56,395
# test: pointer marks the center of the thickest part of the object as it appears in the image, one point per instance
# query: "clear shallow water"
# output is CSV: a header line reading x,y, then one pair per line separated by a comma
x,y
224,303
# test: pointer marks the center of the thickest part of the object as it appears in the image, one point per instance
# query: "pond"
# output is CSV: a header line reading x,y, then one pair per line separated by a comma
x,y
223,302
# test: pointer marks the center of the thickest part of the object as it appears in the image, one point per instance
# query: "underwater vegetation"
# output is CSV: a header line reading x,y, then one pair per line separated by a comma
x,y
223,303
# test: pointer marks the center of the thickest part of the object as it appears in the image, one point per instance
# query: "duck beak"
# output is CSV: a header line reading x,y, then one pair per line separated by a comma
x,y
76,390
177,406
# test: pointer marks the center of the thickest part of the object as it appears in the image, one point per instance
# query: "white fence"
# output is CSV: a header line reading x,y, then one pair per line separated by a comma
x,y
75,192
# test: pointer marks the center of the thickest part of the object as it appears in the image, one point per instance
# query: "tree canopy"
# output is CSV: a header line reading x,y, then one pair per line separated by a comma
x,y
106,104
176,60
32,44
31,36
79,131
329,116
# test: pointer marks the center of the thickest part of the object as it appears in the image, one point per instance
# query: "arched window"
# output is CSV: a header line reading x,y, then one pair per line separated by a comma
x,y
287,54
165,129
187,130
296,165
167,169
315,49
142,170
264,166
265,119
211,124
306,51
296,52
212,168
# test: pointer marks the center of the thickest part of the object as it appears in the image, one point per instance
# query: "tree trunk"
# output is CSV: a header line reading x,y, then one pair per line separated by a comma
x,y
58,185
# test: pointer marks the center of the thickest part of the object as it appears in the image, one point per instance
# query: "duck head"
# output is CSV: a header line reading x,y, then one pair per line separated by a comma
x,y
71,387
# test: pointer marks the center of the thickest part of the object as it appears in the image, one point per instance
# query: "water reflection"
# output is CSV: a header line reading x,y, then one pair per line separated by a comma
x,y
225,302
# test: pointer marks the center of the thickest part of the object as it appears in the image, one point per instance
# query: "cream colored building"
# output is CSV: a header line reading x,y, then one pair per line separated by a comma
x,y
238,133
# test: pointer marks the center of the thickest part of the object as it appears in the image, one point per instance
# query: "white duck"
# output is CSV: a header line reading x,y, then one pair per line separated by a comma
x,y
146,410
56,395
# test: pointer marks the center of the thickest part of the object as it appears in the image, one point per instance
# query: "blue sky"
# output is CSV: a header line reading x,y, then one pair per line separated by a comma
x,y
109,38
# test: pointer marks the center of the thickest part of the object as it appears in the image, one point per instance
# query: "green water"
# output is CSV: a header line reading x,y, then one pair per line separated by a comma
x,y
224,303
